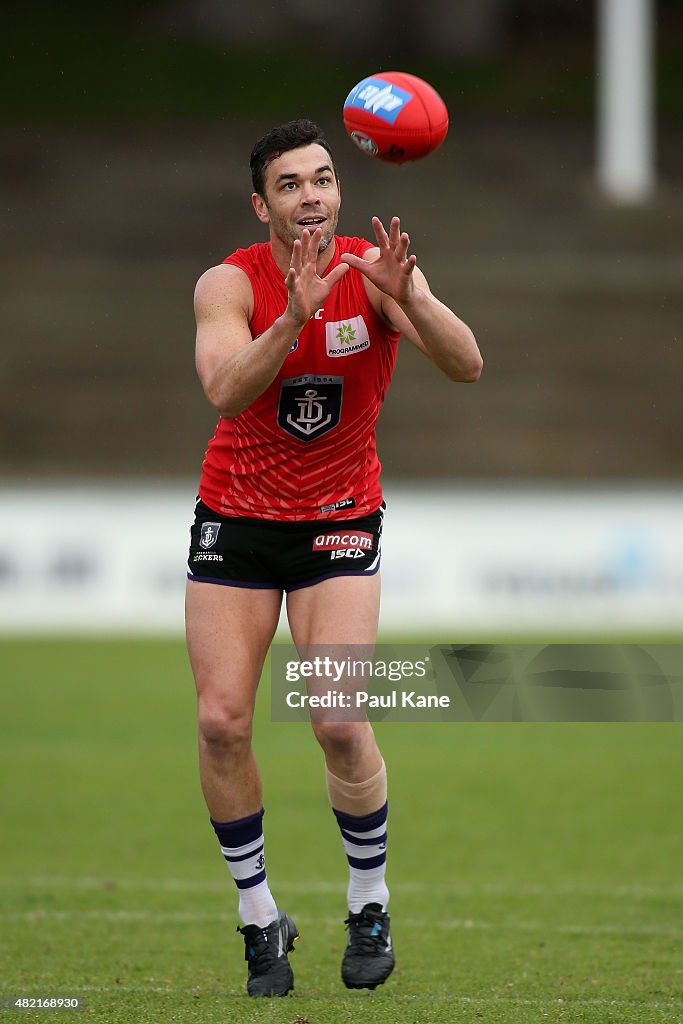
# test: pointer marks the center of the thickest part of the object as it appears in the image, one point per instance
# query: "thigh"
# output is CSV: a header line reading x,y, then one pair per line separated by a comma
x,y
340,610
326,620
229,631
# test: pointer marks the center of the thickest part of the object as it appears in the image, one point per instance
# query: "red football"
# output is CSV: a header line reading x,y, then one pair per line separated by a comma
x,y
395,116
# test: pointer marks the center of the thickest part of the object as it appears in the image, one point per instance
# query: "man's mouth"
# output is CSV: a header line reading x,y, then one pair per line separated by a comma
x,y
311,222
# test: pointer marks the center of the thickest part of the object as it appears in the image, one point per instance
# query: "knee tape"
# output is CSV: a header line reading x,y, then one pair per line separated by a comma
x,y
358,798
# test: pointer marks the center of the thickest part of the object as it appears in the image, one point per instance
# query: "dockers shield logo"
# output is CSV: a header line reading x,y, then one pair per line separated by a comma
x,y
310,405
209,534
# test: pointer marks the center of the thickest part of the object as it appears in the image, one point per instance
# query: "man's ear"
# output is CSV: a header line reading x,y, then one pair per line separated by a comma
x,y
260,208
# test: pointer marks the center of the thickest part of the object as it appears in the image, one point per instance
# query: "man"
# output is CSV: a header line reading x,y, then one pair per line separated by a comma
x,y
296,342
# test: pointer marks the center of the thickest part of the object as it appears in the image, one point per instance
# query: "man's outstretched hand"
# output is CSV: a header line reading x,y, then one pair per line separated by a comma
x,y
307,290
392,270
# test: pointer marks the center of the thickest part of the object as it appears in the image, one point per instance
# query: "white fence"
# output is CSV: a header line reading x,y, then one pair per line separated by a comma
x,y
110,559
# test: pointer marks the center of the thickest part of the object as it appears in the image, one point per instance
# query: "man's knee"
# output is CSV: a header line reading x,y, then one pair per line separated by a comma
x,y
340,739
224,728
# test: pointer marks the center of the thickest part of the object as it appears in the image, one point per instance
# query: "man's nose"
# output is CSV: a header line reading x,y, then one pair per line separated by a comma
x,y
310,195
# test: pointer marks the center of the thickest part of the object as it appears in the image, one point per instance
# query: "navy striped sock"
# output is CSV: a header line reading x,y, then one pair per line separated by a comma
x,y
242,846
365,844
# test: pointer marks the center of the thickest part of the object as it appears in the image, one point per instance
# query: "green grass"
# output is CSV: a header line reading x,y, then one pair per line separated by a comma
x,y
535,869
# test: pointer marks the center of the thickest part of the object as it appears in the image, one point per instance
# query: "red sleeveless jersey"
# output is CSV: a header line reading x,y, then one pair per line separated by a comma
x,y
305,448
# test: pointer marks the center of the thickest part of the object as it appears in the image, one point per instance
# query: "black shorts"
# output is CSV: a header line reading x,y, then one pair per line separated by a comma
x,y
277,555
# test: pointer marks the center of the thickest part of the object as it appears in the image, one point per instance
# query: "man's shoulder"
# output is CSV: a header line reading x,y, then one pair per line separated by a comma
x,y
222,287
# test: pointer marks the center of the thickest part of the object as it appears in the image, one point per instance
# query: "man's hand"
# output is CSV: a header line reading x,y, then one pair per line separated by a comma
x,y
401,295
308,291
392,271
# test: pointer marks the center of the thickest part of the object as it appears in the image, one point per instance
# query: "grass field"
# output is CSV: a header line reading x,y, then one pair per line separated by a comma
x,y
535,869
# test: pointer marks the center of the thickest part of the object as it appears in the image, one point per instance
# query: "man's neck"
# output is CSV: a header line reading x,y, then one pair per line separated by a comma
x,y
283,256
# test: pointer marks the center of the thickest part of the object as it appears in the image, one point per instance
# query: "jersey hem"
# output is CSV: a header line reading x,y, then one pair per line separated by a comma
x,y
323,518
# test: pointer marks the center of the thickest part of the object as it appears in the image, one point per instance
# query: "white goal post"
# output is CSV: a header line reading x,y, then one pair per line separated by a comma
x,y
625,112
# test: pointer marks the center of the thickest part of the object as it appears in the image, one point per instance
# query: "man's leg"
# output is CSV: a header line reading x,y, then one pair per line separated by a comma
x,y
229,630
344,611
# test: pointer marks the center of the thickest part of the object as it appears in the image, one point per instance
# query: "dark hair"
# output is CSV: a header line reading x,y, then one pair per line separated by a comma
x,y
277,141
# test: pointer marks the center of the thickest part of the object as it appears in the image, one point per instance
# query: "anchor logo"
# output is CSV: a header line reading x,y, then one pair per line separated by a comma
x,y
310,405
311,414
209,534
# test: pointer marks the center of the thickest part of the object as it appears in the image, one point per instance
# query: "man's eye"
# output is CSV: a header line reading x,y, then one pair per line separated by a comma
x,y
323,181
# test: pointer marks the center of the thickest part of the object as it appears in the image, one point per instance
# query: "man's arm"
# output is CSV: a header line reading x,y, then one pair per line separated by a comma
x,y
233,368
399,290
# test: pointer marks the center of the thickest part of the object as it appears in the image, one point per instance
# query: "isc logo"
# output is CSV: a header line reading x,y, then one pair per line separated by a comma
x,y
347,553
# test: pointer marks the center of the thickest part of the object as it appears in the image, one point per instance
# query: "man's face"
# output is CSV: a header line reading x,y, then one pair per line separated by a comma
x,y
301,191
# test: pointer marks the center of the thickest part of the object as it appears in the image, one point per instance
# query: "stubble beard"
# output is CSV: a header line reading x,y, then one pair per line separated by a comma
x,y
288,233
326,238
